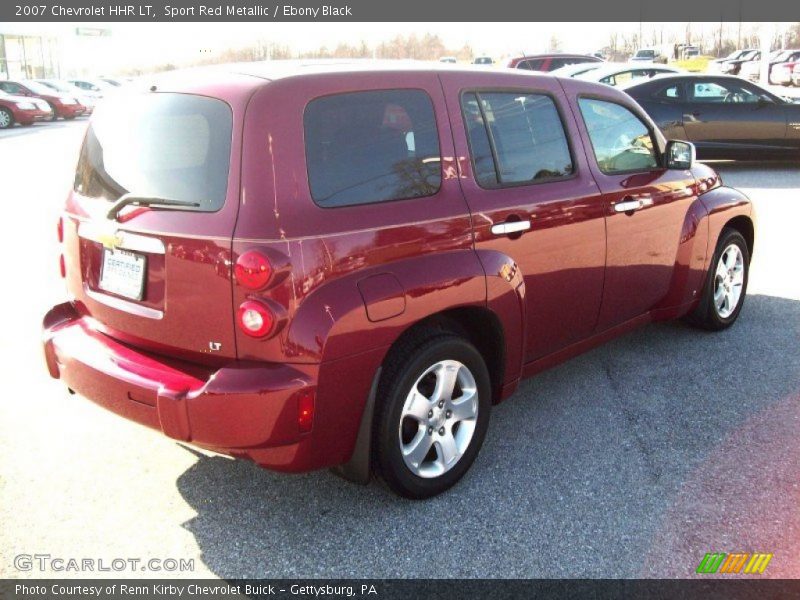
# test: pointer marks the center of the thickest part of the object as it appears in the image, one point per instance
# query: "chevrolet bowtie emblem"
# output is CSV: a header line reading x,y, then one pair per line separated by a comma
x,y
111,240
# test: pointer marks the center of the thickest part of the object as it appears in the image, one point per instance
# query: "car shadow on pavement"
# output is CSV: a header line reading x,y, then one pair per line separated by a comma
x,y
585,473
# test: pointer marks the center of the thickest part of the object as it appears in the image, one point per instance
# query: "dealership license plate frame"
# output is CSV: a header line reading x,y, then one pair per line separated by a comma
x,y
132,289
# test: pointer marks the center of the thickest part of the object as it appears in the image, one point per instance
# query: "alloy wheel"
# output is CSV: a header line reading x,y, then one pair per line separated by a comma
x,y
728,281
438,419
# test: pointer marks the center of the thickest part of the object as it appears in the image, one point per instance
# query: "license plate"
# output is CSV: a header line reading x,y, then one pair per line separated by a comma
x,y
123,273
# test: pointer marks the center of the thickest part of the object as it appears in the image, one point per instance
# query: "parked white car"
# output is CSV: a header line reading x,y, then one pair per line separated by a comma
x,y
577,69
624,73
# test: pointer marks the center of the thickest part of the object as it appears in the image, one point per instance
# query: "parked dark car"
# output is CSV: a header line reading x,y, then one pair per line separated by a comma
x,y
414,242
549,62
63,105
725,117
22,109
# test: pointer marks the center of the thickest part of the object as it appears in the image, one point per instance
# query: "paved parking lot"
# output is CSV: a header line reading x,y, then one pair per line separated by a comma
x,y
633,460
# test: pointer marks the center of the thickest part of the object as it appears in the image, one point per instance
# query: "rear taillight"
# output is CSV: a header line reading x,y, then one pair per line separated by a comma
x,y
62,265
252,270
255,318
305,411
60,228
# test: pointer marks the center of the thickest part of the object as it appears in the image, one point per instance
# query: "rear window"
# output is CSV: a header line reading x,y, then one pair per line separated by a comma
x,y
164,145
375,146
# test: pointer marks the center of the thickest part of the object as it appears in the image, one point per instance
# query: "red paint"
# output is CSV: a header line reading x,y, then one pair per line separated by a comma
x,y
345,283
23,116
54,99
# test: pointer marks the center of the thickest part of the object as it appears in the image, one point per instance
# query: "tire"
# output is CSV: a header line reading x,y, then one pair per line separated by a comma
x,y
6,118
412,415
70,118
726,284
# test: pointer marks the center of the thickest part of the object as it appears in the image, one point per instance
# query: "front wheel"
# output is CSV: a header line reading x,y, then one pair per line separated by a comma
x,y
435,400
6,118
726,283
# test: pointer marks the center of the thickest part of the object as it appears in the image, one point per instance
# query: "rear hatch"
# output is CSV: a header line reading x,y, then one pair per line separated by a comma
x,y
150,219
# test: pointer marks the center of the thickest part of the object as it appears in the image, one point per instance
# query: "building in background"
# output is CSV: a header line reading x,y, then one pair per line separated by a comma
x,y
52,50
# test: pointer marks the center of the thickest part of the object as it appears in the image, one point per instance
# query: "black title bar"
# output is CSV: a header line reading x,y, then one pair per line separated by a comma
x,y
607,11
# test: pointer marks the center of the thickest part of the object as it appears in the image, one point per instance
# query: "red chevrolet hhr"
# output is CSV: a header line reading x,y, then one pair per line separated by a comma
x,y
347,266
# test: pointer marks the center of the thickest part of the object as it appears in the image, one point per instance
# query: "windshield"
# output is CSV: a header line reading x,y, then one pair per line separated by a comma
x,y
645,53
57,85
166,145
37,88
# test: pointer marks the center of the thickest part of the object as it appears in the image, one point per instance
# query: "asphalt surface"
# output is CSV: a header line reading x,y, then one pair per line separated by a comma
x,y
633,460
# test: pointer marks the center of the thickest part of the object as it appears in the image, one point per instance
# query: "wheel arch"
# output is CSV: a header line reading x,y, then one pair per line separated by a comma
x,y
744,225
478,325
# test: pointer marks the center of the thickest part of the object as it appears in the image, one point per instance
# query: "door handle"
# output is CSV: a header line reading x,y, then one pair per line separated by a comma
x,y
629,204
510,227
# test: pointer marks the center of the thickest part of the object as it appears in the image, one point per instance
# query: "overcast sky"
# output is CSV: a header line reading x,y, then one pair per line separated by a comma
x,y
145,44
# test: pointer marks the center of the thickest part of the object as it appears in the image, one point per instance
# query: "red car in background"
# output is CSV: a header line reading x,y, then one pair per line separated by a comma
x,y
549,62
63,105
781,73
22,110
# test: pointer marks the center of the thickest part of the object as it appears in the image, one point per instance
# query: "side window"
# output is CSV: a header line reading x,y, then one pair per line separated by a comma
x,y
515,138
620,140
671,92
11,88
535,64
711,91
374,146
524,64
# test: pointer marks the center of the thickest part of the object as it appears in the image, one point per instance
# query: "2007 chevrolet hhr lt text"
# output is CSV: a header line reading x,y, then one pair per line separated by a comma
x,y
347,266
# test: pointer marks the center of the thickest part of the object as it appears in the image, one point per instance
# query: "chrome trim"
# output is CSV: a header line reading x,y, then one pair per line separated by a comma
x,y
633,204
124,305
510,227
123,240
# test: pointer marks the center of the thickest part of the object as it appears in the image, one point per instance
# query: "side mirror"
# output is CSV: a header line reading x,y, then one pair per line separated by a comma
x,y
680,155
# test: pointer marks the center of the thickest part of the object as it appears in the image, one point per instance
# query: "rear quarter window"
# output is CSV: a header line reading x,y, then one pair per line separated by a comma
x,y
372,146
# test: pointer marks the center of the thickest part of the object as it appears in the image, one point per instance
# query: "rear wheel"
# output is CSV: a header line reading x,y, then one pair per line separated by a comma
x,y
726,283
6,118
433,415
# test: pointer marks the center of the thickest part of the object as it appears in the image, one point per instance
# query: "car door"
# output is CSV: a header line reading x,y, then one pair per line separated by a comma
x,y
533,199
645,204
728,113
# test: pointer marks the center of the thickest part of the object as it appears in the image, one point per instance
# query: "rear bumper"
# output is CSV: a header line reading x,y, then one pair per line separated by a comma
x,y
248,410
31,116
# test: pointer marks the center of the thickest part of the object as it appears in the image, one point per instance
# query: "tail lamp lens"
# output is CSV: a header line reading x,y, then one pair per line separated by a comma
x,y
60,230
62,265
255,318
305,411
252,270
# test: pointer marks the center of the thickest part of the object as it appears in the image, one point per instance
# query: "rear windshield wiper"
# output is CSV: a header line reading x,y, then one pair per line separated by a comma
x,y
127,199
